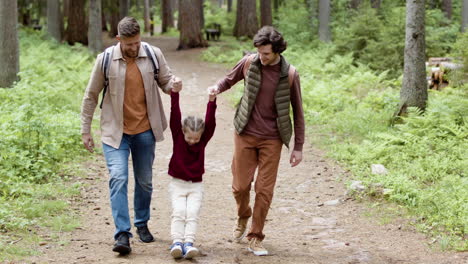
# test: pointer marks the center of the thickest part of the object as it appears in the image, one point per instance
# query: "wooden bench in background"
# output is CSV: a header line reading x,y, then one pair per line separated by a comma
x,y
213,31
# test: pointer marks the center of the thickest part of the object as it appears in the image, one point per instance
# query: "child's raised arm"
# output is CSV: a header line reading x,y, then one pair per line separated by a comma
x,y
176,116
210,120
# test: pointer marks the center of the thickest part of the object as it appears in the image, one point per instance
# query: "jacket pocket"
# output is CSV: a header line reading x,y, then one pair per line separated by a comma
x,y
113,85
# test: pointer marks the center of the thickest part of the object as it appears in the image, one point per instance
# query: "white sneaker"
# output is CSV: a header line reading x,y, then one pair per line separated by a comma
x,y
176,250
190,251
256,247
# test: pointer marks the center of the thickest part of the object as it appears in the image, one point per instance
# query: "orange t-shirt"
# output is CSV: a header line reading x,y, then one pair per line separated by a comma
x,y
134,109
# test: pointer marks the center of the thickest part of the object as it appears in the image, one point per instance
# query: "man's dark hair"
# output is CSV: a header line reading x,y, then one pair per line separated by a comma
x,y
269,35
128,27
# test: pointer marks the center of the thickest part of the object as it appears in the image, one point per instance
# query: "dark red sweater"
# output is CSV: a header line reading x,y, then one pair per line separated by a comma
x,y
188,162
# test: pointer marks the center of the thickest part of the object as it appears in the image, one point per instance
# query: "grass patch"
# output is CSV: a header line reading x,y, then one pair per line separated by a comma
x,y
39,127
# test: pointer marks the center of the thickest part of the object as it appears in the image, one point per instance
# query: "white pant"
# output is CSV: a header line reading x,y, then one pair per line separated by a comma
x,y
186,198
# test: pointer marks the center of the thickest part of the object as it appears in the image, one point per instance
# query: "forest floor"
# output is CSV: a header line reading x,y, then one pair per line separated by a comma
x,y
311,219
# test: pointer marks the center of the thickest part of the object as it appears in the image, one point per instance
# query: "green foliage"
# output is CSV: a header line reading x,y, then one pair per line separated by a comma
x,y
441,33
39,131
214,14
460,53
228,51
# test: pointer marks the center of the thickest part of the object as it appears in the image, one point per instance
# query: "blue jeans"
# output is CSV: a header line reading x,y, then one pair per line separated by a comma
x,y
142,148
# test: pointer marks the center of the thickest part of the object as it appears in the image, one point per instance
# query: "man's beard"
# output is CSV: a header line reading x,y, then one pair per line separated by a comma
x,y
131,54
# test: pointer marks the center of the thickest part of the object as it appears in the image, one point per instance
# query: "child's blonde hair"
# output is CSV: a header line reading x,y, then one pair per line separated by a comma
x,y
195,124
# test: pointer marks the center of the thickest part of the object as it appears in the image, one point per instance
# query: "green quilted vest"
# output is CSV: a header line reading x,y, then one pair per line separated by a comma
x,y
282,99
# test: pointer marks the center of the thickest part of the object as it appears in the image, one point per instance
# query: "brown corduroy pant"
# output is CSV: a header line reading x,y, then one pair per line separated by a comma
x,y
251,152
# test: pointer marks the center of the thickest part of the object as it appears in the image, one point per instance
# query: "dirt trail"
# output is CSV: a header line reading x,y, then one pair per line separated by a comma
x,y
303,226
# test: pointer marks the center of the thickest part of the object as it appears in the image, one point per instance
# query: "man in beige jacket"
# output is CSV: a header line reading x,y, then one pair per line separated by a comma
x,y
132,120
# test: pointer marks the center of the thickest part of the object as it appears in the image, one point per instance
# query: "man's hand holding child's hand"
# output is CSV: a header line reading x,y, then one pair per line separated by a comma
x,y
176,85
212,92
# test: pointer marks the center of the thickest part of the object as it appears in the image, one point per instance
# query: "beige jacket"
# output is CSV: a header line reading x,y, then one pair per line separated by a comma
x,y
112,107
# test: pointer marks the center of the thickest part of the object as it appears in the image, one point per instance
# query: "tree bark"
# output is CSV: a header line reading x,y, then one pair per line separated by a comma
x,y
66,8
311,6
464,24
146,15
246,19
376,3
229,6
77,29
220,3
354,4
324,21
202,14
113,21
24,12
276,5
123,8
167,15
413,92
103,18
9,43
447,8
95,26
265,10
190,28
54,19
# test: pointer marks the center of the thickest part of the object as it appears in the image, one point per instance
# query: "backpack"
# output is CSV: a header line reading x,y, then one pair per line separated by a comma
x,y
291,71
107,59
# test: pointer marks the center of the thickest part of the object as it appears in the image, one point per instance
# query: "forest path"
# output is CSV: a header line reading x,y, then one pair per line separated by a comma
x,y
311,219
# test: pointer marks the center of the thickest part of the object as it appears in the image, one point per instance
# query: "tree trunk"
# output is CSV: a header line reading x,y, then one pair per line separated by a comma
x,y
354,4
246,19
24,12
265,10
190,28
220,3
151,15
311,6
229,6
202,14
54,19
95,27
324,21
376,3
123,8
464,24
114,21
276,5
66,9
447,8
414,89
103,19
9,43
77,28
167,15
146,16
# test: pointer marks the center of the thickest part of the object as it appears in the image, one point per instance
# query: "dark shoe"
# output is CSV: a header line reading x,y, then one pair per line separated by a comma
x,y
122,245
144,234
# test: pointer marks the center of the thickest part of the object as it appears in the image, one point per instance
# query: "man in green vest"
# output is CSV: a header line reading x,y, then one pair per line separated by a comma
x,y
263,125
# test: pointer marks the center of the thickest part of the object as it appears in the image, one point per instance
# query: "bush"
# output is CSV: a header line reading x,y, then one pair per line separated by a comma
x,y
40,132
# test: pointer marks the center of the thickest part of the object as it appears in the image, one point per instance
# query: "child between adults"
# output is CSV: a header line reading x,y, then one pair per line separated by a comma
x,y
186,167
